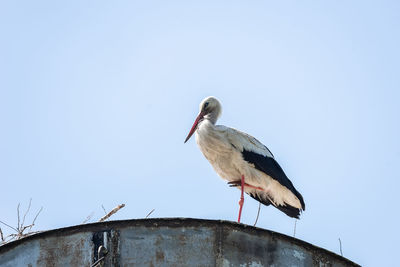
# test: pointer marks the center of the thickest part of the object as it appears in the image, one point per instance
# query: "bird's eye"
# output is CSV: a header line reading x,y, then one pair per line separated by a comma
x,y
206,105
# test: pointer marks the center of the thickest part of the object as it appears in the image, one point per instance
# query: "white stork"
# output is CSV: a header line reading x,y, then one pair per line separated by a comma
x,y
244,162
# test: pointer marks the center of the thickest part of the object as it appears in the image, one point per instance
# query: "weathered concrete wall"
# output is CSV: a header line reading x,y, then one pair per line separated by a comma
x,y
165,242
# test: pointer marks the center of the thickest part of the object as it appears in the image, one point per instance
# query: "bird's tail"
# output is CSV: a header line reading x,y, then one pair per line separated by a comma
x,y
287,209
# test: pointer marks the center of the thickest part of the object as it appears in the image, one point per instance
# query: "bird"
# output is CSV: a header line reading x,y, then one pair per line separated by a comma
x,y
244,162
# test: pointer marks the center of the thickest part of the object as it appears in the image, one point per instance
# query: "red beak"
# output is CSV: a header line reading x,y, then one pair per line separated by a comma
x,y
194,127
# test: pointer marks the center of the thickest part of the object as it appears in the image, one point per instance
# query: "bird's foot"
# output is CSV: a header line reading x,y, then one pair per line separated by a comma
x,y
235,183
239,183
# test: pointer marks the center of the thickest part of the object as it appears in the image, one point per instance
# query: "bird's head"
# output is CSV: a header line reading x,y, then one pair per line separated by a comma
x,y
210,109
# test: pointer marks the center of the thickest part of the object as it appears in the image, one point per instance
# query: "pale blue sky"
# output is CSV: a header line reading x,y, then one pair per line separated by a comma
x,y
97,97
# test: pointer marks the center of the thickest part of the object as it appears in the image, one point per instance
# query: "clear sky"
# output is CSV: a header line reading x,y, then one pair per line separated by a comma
x,y
97,97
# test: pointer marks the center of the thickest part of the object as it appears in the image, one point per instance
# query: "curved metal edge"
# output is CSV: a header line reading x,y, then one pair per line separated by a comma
x,y
170,222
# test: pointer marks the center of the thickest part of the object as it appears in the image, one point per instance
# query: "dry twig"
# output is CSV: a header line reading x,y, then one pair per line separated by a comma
x,y
88,217
18,226
258,213
9,226
108,215
27,210
21,230
105,212
294,231
149,213
34,220
340,244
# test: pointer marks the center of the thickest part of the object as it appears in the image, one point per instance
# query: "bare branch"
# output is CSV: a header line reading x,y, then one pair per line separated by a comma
x,y
10,238
18,226
149,213
88,217
340,244
34,220
31,233
25,227
105,212
21,228
112,212
258,213
294,231
27,210
9,226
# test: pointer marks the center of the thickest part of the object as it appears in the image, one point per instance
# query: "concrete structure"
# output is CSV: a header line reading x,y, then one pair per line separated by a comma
x,y
165,242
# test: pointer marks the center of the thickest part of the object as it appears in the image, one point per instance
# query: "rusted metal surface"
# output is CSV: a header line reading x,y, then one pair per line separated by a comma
x,y
64,250
157,246
165,242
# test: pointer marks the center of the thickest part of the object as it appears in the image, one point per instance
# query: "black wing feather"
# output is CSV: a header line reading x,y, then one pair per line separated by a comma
x,y
271,167
288,210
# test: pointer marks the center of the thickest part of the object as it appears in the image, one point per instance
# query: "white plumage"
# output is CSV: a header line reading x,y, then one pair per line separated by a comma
x,y
234,154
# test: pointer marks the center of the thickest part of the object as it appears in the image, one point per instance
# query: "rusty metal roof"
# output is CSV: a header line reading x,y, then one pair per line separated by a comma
x,y
165,242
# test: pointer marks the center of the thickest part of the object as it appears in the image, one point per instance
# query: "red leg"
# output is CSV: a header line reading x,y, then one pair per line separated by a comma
x,y
238,183
241,201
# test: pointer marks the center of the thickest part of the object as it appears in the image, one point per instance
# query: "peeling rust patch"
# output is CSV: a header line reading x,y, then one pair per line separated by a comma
x,y
70,250
160,257
115,248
